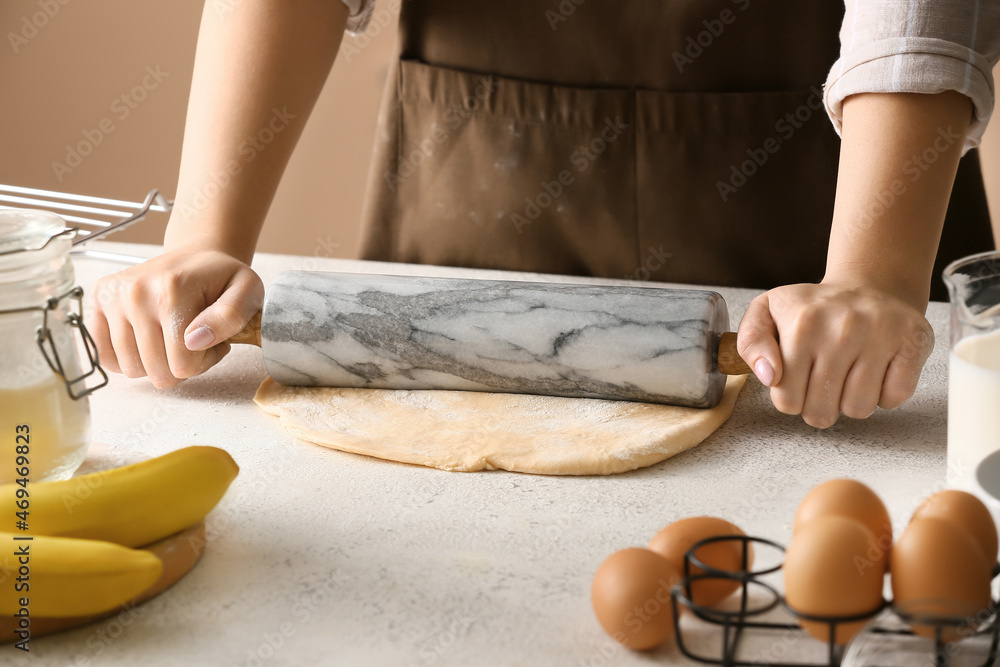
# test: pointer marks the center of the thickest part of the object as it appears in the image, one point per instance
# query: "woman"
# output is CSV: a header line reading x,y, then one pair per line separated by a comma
x,y
683,142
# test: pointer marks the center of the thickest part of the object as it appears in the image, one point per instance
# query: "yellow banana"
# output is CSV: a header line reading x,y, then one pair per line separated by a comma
x,y
133,505
60,577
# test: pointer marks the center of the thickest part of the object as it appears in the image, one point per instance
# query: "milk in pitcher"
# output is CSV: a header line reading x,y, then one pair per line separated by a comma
x,y
973,406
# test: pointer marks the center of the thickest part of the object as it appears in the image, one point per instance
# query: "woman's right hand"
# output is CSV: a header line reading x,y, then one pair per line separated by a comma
x,y
168,317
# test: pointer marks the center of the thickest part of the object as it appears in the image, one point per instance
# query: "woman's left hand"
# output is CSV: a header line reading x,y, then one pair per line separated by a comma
x,y
828,349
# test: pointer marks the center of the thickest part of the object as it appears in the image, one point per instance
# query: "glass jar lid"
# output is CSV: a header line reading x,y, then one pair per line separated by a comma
x,y
27,229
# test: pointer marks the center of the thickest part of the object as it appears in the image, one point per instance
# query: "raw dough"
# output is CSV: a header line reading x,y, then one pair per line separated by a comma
x,y
469,431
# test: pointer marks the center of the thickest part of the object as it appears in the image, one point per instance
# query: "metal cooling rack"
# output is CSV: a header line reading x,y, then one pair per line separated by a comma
x,y
90,217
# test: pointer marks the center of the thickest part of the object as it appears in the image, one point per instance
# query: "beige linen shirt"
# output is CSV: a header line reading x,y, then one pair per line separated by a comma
x,y
359,14
893,46
918,46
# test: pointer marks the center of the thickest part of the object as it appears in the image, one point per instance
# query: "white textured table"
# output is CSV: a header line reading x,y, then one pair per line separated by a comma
x,y
317,557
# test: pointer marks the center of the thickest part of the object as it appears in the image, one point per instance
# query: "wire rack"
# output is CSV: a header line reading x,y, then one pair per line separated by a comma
x,y
90,217
733,626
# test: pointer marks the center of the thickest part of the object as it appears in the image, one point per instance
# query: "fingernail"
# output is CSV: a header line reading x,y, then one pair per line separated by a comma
x,y
199,339
762,369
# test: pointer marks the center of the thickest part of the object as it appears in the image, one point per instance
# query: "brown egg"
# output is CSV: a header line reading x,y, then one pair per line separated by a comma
x,y
673,541
852,499
828,573
939,569
631,597
969,513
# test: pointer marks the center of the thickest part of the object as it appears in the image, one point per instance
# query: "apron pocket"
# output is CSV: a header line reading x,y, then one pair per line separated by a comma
x,y
735,188
502,173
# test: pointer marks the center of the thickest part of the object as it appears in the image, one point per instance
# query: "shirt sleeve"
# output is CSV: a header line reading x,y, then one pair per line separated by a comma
x,y
360,15
918,46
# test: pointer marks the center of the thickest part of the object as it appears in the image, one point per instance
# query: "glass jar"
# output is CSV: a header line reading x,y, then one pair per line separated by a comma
x,y
974,365
44,410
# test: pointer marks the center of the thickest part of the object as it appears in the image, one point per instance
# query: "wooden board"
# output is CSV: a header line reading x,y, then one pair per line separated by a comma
x,y
179,553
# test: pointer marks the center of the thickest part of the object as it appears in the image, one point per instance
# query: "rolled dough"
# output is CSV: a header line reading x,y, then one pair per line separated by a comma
x,y
469,431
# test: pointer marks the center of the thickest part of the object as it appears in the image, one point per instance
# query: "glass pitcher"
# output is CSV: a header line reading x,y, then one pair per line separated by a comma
x,y
974,366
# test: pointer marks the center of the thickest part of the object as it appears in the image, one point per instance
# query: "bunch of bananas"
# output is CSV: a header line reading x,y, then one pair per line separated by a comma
x,y
83,529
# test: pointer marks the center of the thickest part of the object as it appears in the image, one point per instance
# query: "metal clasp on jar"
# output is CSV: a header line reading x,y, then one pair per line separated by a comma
x,y
75,387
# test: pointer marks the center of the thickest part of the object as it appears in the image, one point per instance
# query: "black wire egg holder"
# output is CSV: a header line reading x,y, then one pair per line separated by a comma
x,y
733,623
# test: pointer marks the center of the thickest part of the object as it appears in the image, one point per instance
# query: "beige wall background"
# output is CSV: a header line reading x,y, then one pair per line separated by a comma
x,y
69,62
60,80
989,155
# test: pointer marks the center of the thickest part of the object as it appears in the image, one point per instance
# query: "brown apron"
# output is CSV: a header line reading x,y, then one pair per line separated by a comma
x,y
672,141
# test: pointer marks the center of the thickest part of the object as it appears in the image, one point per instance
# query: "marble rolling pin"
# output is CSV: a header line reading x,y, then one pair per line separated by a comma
x,y
647,344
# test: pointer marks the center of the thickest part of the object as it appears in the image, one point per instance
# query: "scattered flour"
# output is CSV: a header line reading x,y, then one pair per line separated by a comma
x,y
178,322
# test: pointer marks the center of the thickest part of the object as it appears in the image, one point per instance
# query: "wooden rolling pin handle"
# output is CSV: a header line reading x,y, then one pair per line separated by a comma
x,y
730,361
250,334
